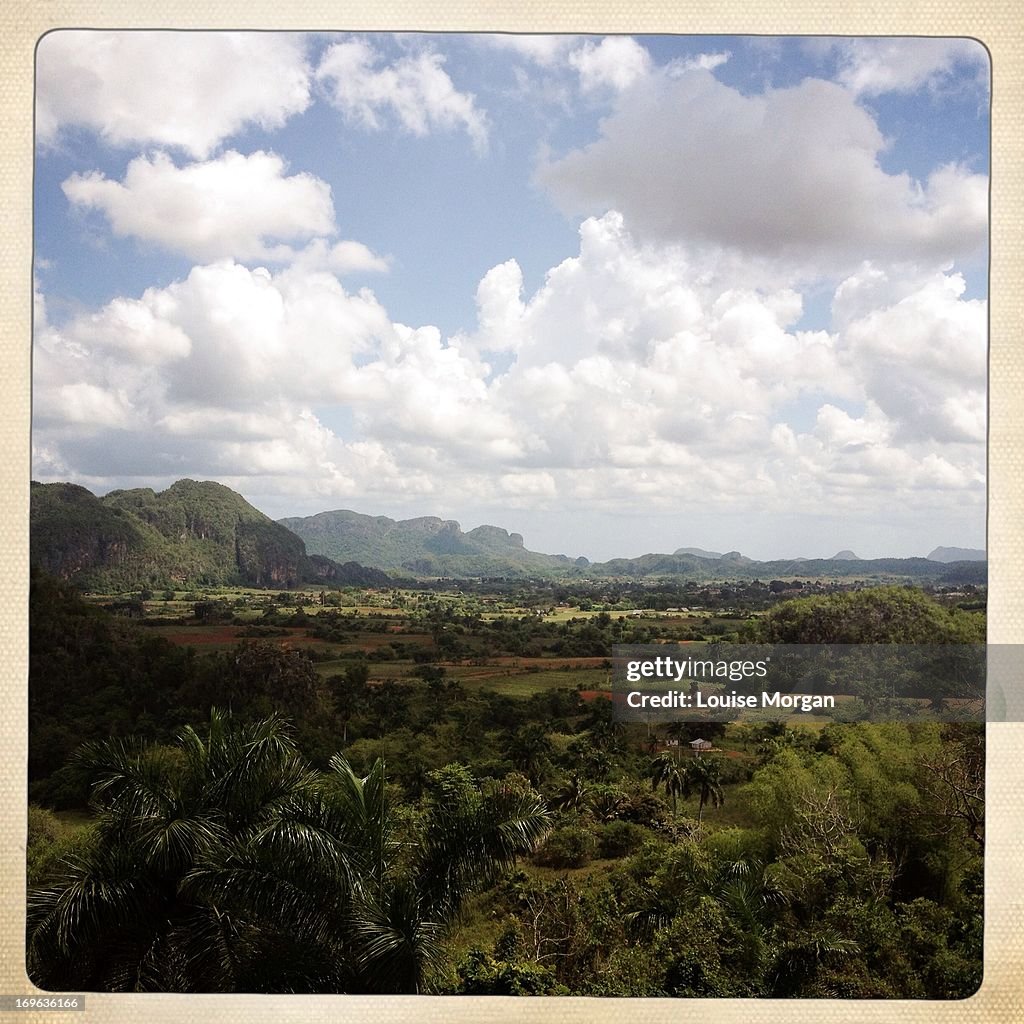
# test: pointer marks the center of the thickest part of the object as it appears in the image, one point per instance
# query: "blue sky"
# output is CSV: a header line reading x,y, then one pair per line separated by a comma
x,y
617,294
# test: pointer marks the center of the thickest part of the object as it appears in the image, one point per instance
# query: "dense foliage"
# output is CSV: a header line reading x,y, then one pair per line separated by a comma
x,y
411,830
226,863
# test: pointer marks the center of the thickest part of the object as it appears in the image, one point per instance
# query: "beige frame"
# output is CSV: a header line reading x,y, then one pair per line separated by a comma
x,y
1001,997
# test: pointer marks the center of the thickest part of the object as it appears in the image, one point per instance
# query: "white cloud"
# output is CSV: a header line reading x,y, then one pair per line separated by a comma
x,y
635,376
546,51
528,485
415,89
838,429
703,61
870,67
615,62
189,90
349,257
790,175
230,206
340,258
500,307
923,359
85,405
138,328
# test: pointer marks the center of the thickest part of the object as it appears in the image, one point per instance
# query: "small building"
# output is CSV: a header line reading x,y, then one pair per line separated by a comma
x,y
698,745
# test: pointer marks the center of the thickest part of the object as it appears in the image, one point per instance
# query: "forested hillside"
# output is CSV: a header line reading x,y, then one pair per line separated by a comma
x,y
426,546
195,532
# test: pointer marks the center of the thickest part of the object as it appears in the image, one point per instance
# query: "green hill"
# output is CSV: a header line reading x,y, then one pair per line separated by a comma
x,y
193,533
426,546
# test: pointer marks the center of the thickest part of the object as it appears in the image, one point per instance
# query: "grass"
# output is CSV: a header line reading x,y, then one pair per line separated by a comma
x,y
524,683
479,928
75,818
595,870
510,682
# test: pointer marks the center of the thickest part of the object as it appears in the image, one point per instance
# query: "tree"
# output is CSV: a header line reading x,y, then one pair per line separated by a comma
x,y
703,775
529,749
878,615
665,771
954,780
801,958
574,795
225,863
749,894
121,916
349,694
260,678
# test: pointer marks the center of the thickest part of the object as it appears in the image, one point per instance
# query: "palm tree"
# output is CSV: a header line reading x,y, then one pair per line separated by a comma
x,y
749,893
529,749
666,771
703,775
574,795
678,731
120,917
800,959
226,863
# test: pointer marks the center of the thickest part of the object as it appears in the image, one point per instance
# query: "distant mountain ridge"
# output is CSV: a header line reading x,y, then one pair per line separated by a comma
x,y
193,533
429,546
203,533
958,555
699,552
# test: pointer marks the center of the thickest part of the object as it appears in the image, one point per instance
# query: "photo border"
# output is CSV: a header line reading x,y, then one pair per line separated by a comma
x,y
1001,997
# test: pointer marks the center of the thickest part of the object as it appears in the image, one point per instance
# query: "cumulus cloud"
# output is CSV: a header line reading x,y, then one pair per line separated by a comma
x,y
665,365
415,89
870,67
615,62
230,206
629,374
791,174
924,361
189,90
340,258
601,64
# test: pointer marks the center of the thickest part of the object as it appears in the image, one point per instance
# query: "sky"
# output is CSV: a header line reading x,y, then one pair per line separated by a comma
x,y
617,294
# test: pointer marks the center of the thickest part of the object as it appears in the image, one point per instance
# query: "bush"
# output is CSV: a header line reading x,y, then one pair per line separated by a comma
x,y
480,974
620,839
567,847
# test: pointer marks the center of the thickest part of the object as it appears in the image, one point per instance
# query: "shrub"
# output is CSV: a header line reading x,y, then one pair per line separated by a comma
x,y
567,847
480,974
620,839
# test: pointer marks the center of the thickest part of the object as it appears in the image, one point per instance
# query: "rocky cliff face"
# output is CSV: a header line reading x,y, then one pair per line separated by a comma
x,y
73,534
193,533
